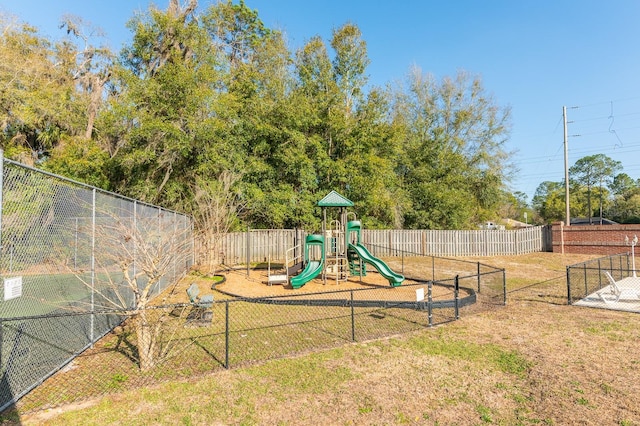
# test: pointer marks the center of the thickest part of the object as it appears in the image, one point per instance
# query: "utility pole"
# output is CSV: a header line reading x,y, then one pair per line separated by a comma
x,y
566,168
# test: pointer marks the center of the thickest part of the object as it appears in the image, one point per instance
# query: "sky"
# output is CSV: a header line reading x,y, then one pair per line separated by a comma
x,y
534,57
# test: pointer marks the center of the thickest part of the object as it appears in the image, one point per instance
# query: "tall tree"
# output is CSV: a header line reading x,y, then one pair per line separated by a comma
x,y
625,207
278,173
592,170
92,65
39,102
81,156
160,110
319,94
623,184
454,163
349,64
235,30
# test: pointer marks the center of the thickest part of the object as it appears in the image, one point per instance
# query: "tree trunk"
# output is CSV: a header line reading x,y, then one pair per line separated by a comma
x,y
589,211
146,342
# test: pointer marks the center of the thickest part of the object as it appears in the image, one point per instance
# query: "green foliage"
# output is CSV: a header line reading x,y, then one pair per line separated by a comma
x,y
50,91
454,164
349,64
197,96
38,104
515,206
549,201
592,177
82,160
593,171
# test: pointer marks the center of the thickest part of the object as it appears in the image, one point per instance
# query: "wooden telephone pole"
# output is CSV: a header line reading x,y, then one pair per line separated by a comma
x,y
566,168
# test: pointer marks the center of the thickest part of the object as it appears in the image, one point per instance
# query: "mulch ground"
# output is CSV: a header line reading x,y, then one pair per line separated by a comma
x,y
255,284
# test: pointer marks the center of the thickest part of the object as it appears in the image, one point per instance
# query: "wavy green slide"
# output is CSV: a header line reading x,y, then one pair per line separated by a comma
x,y
394,278
311,270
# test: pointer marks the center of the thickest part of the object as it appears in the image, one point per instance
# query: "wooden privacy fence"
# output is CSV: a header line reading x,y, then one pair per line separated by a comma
x,y
458,243
264,245
252,246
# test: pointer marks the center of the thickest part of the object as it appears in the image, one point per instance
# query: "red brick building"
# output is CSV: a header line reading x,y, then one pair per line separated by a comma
x,y
593,239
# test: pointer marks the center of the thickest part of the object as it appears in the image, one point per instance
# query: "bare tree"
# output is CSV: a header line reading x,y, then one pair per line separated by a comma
x,y
138,256
216,210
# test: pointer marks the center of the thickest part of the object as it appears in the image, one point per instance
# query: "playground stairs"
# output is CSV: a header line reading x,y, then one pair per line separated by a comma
x,y
283,277
338,267
356,264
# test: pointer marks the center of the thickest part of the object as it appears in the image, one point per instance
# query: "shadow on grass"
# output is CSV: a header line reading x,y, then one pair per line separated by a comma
x,y
550,291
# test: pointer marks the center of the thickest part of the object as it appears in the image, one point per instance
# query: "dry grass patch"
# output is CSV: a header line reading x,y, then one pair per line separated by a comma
x,y
528,363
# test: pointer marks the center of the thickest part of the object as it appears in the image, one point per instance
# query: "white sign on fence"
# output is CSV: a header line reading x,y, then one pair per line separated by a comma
x,y
419,294
12,287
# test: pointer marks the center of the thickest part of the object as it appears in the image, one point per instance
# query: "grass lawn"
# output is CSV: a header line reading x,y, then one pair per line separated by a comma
x,y
534,361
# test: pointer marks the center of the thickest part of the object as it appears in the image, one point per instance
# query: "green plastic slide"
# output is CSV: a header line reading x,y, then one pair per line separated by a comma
x,y
311,270
312,267
395,279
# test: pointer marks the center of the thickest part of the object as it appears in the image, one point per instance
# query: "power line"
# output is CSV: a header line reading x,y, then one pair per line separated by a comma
x,y
605,102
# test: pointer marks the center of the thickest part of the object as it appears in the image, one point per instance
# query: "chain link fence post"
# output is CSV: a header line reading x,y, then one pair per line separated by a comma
x,y
226,335
456,297
93,263
586,284
353,320
1,205
174,260
135,240
504,287
430,302
568,285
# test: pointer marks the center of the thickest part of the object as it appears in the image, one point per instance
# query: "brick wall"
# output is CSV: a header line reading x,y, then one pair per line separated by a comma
x,y
593,239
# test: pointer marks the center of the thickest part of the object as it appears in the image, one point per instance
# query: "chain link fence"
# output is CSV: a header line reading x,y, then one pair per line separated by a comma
x,y
73,259
241,331
587,278
90,298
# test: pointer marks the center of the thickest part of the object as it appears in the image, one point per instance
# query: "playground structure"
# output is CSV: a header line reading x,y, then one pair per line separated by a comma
x,y
47,326
336,253
359,257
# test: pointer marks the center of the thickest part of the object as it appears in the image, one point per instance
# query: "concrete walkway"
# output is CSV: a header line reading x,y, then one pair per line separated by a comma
x,y
624,297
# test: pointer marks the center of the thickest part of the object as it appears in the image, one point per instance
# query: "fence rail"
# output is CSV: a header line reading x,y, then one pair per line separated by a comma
x,y
262,245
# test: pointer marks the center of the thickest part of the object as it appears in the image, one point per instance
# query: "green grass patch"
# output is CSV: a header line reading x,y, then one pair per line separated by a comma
x,y
311,375
487,355
485,414
614,330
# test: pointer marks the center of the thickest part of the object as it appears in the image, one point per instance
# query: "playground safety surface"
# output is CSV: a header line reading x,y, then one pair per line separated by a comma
x,y
238,283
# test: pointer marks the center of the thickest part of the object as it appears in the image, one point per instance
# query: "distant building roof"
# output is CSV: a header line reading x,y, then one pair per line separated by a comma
x,y
333,199
516,223
594,221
